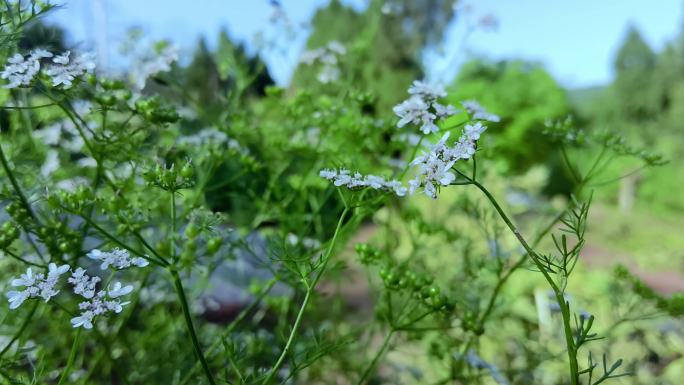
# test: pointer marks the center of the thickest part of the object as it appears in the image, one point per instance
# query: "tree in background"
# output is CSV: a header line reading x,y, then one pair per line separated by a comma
x,y
524,95
634,89
384,43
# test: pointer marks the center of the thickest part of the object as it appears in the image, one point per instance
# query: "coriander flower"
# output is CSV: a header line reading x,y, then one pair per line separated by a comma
x,y
38,285
478,112
426,90
117,258
51,163
328,56
434,167
422,108
472,131
343,177
84,285
20,71
152,65
66,69
105,301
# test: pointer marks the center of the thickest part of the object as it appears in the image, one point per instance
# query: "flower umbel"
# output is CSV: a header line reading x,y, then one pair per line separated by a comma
x,y
36,285
117,258
422,108
344,177
103,302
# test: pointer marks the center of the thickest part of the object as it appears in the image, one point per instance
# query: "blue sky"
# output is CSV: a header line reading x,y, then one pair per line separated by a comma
x,y
575,39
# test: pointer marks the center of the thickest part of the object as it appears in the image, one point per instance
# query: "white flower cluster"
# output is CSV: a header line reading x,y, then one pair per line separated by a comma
x,y
36,285
97,302
117,258
434,166
344,177
211,137
306,242
64,135
328,56
422,108
65,70
20,71
477,112
62,70
149,66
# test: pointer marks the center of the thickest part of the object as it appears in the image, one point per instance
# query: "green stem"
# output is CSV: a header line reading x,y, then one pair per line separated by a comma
x,y
231,327
15,184
380,352
172,238
189,325
307,297
565,309
70,360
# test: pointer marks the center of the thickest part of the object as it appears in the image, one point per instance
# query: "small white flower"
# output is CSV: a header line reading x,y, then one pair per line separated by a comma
x,y
38,285
328,56
51,163
422,108
84,285
101,304
21,72
410,110
426,90
117,290
149,66
328,174
478,112
343,177
65,70
85,320
117,258
472,131
16,298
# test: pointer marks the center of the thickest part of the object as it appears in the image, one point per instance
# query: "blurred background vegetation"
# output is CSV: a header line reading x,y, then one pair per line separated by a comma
x,y
638,215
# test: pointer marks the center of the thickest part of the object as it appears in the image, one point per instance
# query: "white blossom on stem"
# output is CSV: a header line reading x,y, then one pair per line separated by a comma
x,y
344,177
117,258
328,56
105,301
66,69
422,108
149,66
477,112
20,71
36,285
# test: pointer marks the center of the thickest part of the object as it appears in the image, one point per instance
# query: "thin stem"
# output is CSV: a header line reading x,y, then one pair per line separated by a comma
x,y
565,308
70,360
307,297
380,352
189,325
18,258
15,184
230,328
172,238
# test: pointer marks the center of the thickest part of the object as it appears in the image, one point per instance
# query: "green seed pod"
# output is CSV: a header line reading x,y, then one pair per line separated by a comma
x,y
64,247
191,230
187,171
106,99
213,245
